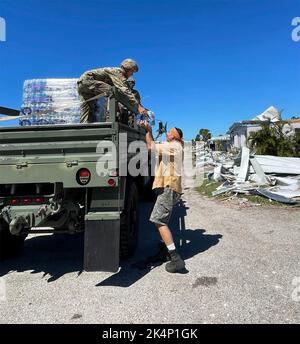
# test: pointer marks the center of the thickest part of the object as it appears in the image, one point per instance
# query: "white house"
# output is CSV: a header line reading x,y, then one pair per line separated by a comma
x,y
223,140
240,131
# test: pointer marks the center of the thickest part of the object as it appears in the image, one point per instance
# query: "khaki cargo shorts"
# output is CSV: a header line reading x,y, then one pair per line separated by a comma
x,y
163,207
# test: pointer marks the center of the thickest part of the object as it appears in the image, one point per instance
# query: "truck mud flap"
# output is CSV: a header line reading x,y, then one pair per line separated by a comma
x,y
102,245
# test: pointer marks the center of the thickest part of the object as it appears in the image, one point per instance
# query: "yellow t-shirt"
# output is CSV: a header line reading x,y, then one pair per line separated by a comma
x,y
169,166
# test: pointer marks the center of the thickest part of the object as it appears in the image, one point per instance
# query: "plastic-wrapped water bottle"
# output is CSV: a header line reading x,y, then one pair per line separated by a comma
x,y
50,101
138,118
151,116
25,122
26,110
143,119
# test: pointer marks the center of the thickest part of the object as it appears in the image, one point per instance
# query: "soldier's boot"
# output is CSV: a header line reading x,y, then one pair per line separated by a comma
x,y
176,264
162,254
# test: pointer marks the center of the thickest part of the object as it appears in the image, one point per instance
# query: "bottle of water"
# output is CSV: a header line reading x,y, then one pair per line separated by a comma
x,y
151,116
144,119
138,118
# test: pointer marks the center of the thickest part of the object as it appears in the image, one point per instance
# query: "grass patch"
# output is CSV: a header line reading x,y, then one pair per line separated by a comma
x,y
261,200
208,187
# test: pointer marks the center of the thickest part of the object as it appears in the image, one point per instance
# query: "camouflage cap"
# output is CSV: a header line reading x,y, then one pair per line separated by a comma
x,y
130,64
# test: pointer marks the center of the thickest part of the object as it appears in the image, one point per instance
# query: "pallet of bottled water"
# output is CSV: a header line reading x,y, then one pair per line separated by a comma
x,y
50,101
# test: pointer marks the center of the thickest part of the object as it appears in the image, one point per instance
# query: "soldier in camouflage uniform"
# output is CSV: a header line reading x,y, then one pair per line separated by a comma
x,y
97,81
131,85
127,116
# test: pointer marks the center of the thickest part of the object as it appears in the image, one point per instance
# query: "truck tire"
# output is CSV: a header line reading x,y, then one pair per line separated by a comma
x,y
129,221
9,244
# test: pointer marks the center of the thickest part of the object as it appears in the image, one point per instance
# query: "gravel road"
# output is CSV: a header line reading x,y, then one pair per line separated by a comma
x,y
243,267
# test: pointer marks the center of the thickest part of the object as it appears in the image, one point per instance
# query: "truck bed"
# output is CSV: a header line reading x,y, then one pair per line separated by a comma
x,y
48,154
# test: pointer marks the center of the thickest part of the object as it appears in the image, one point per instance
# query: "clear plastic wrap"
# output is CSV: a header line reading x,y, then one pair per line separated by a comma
x,y
50,101
148,118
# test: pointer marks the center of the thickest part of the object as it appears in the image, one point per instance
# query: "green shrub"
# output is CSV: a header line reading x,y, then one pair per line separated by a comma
x,y
270,140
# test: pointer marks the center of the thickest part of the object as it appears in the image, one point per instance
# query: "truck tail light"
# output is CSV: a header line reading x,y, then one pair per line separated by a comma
x,y
38,200
14,201
27,200
83,176
111,182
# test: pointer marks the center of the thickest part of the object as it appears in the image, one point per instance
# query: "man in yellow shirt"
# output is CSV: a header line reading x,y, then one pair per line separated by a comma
x,y
167,183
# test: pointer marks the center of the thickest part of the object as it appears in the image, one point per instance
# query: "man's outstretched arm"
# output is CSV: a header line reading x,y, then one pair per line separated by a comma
x,y
149,137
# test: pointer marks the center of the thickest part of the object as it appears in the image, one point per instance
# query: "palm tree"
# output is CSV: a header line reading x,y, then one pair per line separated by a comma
x,y
270,140
204,134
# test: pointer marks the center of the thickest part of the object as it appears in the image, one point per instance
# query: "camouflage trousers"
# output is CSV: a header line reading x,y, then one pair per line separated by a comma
x,y
89,88
163,207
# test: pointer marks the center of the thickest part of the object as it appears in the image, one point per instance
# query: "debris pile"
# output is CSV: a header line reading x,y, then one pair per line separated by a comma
x,y
271,114
276,178
207,159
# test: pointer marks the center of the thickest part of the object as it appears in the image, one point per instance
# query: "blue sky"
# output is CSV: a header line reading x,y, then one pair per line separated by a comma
x,y
203,63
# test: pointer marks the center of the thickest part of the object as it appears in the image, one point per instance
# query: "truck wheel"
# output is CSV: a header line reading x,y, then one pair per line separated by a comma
x,y
129,221
9,244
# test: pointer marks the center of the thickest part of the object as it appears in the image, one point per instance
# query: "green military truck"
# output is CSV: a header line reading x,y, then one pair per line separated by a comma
x,y
51,181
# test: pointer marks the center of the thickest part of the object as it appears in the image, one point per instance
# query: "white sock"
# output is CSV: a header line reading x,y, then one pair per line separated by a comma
x,y
171,247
